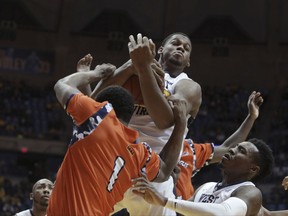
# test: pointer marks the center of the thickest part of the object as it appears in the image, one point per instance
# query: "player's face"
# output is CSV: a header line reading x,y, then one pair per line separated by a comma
x,y
176,51
42,192
240,159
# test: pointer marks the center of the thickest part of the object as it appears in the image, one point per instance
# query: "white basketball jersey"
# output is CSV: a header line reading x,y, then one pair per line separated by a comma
x,y
209,193
142,122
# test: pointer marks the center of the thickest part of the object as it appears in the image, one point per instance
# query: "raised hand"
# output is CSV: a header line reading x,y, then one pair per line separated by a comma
x,y
104,70
84,63
141,51
254,102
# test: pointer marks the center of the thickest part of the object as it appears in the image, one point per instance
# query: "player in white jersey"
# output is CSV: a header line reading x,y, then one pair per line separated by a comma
x,y
235,195
156,126
40,195
143,123
154,119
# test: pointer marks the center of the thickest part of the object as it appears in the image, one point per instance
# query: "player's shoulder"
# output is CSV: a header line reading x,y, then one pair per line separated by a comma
x,y
248,190
189,84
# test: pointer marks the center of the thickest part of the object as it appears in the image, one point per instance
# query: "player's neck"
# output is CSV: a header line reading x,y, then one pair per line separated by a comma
x,y
227,181
173,72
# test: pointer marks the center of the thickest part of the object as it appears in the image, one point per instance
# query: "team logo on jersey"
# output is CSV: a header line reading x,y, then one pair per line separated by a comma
x,y
166,93
130,150
182,163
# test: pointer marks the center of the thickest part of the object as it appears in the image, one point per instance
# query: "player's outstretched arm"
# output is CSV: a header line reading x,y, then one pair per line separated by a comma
x,y
170,152
70,84
233,206
84,65
119,77
255,100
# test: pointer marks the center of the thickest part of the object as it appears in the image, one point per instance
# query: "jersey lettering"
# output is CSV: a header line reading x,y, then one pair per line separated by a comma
x,y
140,110
168,84
207,198
182,163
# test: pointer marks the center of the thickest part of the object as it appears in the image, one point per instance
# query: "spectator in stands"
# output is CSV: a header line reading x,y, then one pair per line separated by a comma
x,y
40,195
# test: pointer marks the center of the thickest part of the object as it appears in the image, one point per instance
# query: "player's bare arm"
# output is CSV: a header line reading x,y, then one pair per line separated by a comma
x,y
171,150
119,77
84,65
70,84
190,91
252,196
142,51
255,100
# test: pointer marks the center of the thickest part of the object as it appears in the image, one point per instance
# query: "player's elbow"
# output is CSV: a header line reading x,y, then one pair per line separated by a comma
x,y
162,176
58,85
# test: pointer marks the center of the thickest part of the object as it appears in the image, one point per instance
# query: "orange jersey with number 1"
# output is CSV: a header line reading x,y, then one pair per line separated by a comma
x,y
100,162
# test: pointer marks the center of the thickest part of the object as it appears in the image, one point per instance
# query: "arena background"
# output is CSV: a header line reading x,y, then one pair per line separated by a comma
x,y
238,46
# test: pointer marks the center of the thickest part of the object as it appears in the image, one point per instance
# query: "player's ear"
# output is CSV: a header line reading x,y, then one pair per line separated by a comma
x,y
31,196
255,170
160,50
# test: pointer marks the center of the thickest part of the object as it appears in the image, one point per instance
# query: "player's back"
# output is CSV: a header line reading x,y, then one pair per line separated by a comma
x,y
99,164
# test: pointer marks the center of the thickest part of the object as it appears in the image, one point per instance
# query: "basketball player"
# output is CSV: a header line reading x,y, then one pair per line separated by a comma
x,y
152,116
195,155
235,195
104,154
40,195
154,119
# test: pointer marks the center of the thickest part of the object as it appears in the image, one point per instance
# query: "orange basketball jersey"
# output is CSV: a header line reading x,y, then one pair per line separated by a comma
x,y
100,162
194,157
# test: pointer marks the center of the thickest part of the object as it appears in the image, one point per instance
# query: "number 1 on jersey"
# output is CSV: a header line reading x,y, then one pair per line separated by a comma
x,y
118,165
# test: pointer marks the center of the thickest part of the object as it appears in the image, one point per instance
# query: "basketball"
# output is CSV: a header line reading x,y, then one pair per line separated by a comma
x,y
133,86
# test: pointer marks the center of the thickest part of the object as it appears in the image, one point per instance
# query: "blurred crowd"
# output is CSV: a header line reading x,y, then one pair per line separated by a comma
x,y
30,112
